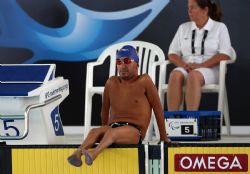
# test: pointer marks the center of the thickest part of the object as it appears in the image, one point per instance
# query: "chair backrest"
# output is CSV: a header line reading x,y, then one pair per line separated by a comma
x,y
150,56
148,53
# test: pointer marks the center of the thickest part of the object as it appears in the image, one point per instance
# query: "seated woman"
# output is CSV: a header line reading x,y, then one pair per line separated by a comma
x,y
196,50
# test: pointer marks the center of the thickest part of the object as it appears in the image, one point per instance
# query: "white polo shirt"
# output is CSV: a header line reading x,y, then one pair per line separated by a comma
x,y
217,41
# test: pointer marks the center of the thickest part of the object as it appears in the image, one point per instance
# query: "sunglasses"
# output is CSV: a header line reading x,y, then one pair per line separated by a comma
x,y
125,61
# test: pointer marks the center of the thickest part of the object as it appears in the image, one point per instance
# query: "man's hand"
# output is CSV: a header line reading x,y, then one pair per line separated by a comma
x,y
166,140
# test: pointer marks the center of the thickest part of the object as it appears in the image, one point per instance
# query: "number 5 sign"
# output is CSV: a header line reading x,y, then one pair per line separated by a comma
x,y
56,121
181,127
8,128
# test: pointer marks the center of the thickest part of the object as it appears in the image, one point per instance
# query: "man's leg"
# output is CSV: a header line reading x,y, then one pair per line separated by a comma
x,y
119,135
93,136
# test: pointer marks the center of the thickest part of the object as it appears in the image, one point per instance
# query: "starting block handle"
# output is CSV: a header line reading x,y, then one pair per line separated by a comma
x,y
15,117
146,149
26,118
162,158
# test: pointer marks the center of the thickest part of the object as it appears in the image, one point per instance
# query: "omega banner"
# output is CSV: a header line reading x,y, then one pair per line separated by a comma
x,y
208,159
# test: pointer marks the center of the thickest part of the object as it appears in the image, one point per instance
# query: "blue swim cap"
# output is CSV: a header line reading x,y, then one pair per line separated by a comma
x,y
128,51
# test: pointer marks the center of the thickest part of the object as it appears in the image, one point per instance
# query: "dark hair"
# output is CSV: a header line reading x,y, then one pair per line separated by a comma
x,y
214,11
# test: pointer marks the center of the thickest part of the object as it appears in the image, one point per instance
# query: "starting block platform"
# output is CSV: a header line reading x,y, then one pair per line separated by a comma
x,y
30,95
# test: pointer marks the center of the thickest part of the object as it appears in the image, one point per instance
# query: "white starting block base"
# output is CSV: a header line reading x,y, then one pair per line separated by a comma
x,y
32,115
41,130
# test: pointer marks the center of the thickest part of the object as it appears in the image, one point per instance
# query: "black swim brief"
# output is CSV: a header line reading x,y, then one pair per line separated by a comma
x,y
119,124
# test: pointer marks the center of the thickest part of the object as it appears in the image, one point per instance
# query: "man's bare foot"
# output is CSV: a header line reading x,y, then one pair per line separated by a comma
x,y
75,158
88,158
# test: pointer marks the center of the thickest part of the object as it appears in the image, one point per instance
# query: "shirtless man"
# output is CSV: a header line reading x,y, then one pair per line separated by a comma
x,y
128,100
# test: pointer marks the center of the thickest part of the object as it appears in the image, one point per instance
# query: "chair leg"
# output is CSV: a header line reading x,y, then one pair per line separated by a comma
x,y
151,126
87,116
162,95
182,102
226,115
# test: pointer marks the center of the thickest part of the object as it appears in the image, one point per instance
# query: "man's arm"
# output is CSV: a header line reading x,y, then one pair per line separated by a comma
x,y
154,100
105,104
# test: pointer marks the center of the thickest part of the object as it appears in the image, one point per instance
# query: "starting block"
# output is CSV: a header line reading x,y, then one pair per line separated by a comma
x,y
193,125
30,95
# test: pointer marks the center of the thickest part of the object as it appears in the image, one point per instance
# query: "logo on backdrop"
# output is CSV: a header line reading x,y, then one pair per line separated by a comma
x,y
84,36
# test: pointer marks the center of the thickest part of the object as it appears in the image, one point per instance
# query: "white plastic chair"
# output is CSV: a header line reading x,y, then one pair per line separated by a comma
x,y
219,88
150,56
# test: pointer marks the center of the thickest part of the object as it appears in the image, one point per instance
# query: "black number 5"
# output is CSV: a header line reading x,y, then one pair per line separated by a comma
x,y
6,127
187,129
